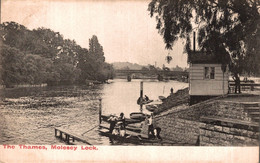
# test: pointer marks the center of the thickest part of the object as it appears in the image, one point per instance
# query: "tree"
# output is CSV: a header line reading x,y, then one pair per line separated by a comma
x,y
152,68
126,68
11,61
47,43
228,29
96,50
145,68
12,33
43,56
177,68
100,69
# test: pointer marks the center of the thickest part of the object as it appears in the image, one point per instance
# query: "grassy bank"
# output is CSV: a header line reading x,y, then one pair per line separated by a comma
x,y
179,98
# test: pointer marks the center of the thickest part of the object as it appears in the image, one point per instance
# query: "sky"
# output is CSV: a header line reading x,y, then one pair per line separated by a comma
x,y
123,27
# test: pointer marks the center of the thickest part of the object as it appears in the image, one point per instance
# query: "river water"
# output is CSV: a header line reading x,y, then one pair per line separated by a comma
x,y
29,115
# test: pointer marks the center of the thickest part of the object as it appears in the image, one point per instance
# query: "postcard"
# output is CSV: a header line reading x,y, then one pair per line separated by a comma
x,y
129,81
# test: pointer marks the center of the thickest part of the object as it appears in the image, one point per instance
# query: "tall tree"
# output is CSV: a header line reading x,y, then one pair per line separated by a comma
x,y
97,56
96,50
227,28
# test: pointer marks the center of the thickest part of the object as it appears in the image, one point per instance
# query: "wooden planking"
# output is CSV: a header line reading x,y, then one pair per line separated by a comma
x,y
208,87
216,75
198,73
201,77
200,67
205,65
245,84
196,78
208,81
202,72
69,135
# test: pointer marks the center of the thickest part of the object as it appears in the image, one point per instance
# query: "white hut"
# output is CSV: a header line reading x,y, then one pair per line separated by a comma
x,y
207,77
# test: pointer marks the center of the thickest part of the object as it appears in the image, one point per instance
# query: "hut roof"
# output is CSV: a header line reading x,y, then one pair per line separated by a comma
x,y
198,57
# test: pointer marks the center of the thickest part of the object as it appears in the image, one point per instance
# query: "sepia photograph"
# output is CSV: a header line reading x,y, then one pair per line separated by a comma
x,y
129,80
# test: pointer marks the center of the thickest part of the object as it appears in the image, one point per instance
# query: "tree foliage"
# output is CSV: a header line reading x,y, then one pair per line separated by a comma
x,y
12,66
226,28
43,56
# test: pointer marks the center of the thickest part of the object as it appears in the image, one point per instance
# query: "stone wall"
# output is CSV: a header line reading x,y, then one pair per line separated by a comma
x,y
183,126
179,130
232,110
212,135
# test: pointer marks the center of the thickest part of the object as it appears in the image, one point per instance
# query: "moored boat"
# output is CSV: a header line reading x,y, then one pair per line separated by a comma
x,y
151,108
138,115
128,138
162,98
153,105
147,102
143,102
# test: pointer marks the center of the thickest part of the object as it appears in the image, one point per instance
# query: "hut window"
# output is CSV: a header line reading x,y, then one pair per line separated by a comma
x,y
212,72
209,73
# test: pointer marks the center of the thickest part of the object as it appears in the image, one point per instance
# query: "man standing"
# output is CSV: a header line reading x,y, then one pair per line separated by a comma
x,y
150,125
112,120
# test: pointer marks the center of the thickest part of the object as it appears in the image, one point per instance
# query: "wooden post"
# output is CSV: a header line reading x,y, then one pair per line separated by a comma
x,y
68,139
100,110
141,96
194,35
60,135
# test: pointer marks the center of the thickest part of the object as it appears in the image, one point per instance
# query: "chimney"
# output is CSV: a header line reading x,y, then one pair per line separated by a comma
x,y
194,35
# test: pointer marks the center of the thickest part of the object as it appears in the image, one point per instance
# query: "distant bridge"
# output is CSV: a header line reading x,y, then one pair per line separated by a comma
x,y
151,73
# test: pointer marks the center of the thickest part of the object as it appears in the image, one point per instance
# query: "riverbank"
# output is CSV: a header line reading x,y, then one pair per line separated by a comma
x,y
222,121
181,97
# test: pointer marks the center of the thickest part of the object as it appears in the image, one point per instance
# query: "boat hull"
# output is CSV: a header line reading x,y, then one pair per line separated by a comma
x,y
151,108
138,116
129,139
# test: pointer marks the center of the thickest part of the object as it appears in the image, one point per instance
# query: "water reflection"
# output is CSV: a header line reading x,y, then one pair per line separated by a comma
x,y
29,115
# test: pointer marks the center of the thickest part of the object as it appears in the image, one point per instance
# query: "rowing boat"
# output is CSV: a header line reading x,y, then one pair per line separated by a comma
x,y
151,108
138,116
141,101
133,135
162,98
127,120
129,138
